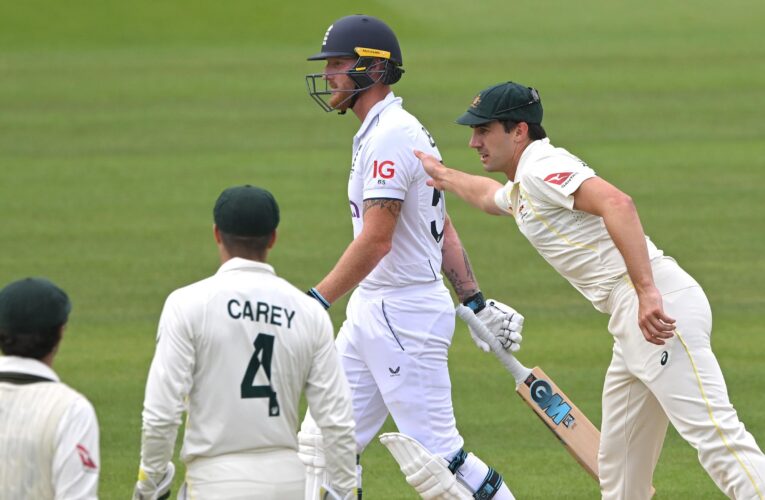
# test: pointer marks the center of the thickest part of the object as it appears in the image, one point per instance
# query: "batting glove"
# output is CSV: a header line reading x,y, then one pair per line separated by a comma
x,y
149,489
504,322
477,341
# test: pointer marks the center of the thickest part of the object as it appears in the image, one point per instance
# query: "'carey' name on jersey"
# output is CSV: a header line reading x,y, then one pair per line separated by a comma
x,y
262,312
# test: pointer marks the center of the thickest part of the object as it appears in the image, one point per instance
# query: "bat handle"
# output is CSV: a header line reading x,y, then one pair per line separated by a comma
x,y
516,369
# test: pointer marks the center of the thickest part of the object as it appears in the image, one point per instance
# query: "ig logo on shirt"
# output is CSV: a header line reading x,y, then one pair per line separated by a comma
x,y
383,170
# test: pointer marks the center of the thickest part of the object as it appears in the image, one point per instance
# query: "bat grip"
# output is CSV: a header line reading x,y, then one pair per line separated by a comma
x,y
516,369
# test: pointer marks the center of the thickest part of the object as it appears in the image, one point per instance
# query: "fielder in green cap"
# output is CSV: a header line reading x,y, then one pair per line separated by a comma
x,y
49,437
235,351
663,368
507,101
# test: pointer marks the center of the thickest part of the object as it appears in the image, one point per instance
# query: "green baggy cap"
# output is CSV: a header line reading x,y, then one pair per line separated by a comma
x,y
33,305
246,211
504,101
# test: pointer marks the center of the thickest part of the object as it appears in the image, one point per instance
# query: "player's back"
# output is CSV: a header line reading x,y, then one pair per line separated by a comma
x,y
30,415
254,337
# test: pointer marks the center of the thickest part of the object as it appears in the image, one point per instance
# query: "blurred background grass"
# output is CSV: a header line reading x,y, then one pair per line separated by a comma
x,y
121,122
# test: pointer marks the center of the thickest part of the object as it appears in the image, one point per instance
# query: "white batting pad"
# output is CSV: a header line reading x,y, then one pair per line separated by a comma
x,y
426,473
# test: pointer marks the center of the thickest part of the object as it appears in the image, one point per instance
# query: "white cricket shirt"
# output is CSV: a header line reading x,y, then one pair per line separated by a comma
x,y
236,351
384,166
575,243
48,437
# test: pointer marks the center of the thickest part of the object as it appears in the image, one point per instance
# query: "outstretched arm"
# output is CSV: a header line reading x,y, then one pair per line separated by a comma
x,y
364,252
598,197
475,189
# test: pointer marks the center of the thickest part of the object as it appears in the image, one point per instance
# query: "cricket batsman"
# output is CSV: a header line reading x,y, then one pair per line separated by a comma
x,y
400,318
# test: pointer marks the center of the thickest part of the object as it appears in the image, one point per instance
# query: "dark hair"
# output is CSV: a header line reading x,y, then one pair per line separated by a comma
x,y
247,247
536,131
34,345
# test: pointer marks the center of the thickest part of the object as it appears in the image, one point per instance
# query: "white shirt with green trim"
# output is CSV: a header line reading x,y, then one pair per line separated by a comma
x,y
575,243
48,437
235,351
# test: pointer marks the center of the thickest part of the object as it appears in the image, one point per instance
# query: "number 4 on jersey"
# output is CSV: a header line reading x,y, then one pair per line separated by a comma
x,y
264,348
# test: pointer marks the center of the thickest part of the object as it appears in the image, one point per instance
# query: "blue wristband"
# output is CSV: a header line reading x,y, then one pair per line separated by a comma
x,y
475,302
316,295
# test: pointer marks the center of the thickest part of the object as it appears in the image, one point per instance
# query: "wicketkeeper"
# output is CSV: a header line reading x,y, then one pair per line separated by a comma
x,y
235,351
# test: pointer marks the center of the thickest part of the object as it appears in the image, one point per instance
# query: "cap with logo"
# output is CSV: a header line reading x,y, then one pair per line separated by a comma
x,y
246,211
32,305
504,101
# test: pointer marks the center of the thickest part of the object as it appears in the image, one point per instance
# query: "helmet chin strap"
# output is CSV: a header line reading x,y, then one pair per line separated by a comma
x,y
362,82
351,102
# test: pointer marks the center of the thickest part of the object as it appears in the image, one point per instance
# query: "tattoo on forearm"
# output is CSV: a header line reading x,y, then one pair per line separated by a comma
x,y
468,267
464,284
389,204
463,288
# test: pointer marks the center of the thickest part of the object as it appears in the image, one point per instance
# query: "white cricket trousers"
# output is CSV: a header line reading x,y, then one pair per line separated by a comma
x,y
393,347
272,475
649,385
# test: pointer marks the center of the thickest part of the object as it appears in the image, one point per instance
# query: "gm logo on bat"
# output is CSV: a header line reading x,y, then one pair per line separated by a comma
x,y
554,405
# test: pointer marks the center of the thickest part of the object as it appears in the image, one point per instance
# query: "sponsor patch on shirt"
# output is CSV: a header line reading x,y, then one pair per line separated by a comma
x,y
558,178
355,213
87,461
383,169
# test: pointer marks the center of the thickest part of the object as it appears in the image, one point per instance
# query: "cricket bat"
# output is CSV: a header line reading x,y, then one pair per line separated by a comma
x,y
572,427
574,430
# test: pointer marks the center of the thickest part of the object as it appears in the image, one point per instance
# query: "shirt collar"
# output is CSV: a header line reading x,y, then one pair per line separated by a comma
x,y
530,152
240,264
27,365
375,111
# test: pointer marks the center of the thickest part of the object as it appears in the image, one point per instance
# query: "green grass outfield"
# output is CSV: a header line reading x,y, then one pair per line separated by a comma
x,y
120,122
